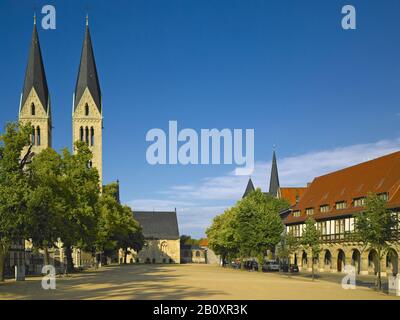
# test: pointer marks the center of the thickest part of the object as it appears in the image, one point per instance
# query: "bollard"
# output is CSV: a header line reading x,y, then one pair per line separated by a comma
x,y
20,273
394,285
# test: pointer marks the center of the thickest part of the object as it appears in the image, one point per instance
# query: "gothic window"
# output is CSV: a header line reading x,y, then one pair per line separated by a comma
x,y
90,164
92,136
38,136
33,111
87,135
81,133
164,247
86,109
33,134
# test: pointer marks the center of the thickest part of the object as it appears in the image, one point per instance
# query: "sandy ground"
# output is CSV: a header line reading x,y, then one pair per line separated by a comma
x,y
183,282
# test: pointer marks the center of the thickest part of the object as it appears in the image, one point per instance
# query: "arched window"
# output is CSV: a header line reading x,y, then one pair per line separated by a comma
x,y
38,136
33,109
33,134
164,246
197,254
87,135
81,133
86,109
92,136
90,164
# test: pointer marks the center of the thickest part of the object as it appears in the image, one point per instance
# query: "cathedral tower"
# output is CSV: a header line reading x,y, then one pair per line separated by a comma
x,y
87,118
35,100
274,180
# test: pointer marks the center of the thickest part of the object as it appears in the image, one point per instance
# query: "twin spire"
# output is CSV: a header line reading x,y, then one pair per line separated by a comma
x,y
273,183
35,76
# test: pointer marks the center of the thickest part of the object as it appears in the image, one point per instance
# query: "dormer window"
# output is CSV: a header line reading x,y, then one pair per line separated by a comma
x,y
86,109
384,196
324,208
341,205
309,211
359,202
296,213
33,109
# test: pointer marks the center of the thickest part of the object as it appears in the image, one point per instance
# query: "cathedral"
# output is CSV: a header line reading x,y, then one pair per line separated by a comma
x,y
87,116
87,124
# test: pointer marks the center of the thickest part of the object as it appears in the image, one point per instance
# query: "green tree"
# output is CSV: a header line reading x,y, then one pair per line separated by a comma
x,y
289,244
311,239
44,202
222,235
81,196
376,226
13,187
259,225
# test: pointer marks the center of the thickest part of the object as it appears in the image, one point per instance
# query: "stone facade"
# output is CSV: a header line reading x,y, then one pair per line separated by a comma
x,y
87,125
335,256
155,251
34,112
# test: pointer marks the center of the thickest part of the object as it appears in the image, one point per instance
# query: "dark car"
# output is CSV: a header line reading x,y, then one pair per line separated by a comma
x,y
293,268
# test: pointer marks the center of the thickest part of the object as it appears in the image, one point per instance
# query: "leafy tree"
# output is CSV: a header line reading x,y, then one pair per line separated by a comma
x,y
375,227
289,244
311,239
222,235
44,202
259,225
187,240
81,196
13,187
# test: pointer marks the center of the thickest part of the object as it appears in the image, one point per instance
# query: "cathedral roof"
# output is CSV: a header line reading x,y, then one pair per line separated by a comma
x,y
274,180
35,76
87,76
250,188
159,225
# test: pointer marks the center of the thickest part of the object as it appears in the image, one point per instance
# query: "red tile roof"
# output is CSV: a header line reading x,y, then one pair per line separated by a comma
x,y
291,194
203,243
381,175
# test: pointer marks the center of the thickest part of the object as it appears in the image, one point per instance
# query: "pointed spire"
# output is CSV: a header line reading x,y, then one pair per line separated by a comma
x,y
35,76
87,76
250,188
274,180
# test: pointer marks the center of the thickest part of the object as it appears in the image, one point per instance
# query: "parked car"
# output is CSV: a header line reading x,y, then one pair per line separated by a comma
x,y
270,266
235,264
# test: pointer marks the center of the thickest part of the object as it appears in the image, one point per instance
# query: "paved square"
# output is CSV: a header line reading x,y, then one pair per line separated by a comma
x,y
183,282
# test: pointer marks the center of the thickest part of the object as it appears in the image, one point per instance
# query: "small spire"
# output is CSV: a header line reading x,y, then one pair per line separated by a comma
x,y
34,18
87,20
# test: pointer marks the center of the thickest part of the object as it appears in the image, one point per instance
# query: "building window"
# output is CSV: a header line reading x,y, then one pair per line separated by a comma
x,y
33,109
309,211
33,136
339,226
87,135
86,109
164,246
359,202
91,136
341,205
384,196
38,136
81,133
296,213
324,208
197,254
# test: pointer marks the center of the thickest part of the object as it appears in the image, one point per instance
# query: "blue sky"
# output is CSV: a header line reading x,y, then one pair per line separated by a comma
x,y
285,68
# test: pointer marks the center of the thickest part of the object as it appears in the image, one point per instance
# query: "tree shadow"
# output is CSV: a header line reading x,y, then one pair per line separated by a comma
x,y
138,282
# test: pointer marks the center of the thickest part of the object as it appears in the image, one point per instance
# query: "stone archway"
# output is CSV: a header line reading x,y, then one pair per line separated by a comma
x,y
373,262
304,260
327,260
356,260
341,260
392,262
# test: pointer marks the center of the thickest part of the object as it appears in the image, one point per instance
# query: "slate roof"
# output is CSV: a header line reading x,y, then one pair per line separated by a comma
x,y
87,76
274,180
158,224
35,76
381,175
250,188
